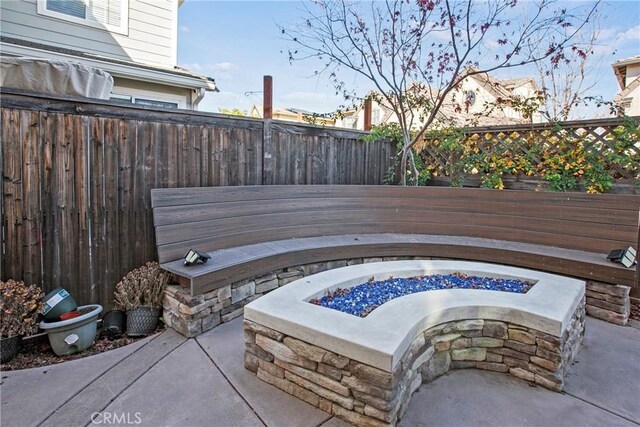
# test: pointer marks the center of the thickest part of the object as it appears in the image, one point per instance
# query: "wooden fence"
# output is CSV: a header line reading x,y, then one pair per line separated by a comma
x,y
77,176
598,150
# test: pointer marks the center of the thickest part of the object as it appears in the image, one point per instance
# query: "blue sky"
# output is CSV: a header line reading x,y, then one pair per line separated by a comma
x,y
237,42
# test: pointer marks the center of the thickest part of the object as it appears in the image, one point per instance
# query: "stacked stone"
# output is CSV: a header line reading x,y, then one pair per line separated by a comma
x,y
193,315
355,392
367,396
635,308
608,302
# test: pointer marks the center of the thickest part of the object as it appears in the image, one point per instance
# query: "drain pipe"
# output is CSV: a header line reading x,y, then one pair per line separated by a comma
x,y
196,100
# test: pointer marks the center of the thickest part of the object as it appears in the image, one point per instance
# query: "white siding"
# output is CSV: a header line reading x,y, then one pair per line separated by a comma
x,y
151,37
483,97
633,71
634,108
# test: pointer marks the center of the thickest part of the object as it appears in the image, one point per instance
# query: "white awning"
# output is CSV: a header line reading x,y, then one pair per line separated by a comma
x,y
55,76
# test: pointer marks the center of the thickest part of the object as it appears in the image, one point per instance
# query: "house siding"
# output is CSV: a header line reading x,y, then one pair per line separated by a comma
x,y
150,40
482,108
633,71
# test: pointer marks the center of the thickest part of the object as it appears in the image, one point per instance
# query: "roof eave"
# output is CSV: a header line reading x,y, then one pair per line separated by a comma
x,y
627,61
617,70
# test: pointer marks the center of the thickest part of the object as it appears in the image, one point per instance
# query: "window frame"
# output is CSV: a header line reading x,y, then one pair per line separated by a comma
x,y
122,93
123,28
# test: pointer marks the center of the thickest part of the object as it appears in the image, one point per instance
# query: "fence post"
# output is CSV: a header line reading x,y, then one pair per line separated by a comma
x,y
267,103
367,114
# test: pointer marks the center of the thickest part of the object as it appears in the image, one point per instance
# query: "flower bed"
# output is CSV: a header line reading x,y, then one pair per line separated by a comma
x,y
362,299
37,351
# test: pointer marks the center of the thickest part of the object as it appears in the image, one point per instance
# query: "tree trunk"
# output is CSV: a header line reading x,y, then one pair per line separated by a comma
x,y
414,168
408,158
403,168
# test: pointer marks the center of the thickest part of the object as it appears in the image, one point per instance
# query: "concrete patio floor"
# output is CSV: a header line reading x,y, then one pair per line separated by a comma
x,y
167,380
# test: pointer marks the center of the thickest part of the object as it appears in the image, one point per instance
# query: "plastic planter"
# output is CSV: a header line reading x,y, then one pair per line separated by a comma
x,y
114,323
58,302
9,348
73,335
142,321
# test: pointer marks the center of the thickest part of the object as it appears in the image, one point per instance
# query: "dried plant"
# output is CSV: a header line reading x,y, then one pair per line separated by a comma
x,y
142,286
20,306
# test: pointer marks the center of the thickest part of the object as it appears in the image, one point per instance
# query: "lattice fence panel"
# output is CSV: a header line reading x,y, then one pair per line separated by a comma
x,y
535,150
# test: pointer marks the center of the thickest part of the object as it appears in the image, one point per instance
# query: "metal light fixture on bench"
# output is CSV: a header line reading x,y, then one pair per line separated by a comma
x,y
626,257
196,257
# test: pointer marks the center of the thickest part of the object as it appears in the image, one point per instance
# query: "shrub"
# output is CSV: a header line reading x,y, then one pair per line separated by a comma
x,y
142,286
20,306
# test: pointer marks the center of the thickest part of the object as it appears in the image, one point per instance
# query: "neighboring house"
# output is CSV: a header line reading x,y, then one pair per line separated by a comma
x,y
295,115
627,72
133,40
467,105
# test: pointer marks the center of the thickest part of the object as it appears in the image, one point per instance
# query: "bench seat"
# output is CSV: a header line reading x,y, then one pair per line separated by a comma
x,y
242,262
253,230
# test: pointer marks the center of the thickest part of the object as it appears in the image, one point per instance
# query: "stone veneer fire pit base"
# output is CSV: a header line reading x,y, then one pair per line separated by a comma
x,y
369,381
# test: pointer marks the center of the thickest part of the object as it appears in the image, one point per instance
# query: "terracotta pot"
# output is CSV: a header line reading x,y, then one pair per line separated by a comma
x,y
69,315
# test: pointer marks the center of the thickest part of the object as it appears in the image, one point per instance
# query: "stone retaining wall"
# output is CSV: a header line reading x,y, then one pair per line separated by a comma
x,y
608,302
635,308
193,315
367,396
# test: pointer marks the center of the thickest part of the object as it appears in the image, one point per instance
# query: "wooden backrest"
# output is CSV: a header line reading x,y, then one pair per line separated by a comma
x,y
221,217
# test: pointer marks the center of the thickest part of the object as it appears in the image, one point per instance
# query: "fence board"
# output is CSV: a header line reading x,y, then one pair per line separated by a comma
x,y
112,220
30,183
77,176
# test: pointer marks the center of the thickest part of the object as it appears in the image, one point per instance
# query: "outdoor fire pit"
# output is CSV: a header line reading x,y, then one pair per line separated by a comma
x,y
364,369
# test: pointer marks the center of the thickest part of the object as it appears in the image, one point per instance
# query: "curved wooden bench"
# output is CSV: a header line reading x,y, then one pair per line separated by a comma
x,y
413,339
253,230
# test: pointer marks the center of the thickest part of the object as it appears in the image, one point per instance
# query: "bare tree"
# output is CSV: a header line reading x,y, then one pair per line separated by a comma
x,y
565,84
399,45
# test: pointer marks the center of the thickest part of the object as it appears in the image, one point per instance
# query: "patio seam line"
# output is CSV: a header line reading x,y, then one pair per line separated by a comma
x,y
601,408
95,379
137,378
327,420
230,383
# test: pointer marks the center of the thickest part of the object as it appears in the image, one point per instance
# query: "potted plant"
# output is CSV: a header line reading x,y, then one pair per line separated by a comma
x,y
140,294
20,306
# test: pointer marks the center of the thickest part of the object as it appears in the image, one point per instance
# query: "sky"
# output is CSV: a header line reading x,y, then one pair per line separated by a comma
x,y
238,42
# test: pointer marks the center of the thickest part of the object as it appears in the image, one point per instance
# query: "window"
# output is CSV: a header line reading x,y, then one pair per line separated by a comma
x,y
351,122
375,116
123,99
471,97
68,7
154,103
148,98
112,15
